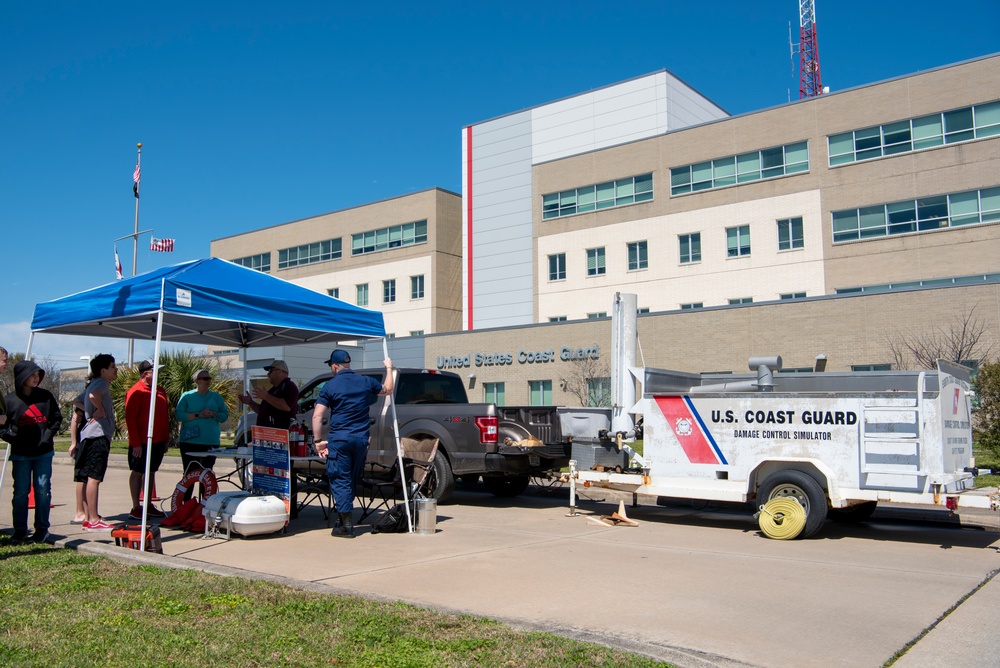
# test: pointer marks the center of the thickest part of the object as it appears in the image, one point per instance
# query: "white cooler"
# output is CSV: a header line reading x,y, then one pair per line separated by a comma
x,y
243,513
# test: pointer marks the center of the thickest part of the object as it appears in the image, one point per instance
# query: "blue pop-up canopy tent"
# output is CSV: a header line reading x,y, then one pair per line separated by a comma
x,y
208,302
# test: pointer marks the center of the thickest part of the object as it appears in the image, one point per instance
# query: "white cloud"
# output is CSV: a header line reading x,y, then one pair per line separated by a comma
x,y
65,352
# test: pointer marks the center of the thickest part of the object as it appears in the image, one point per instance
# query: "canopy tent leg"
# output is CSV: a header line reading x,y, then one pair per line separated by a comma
x,y
399,447
149,431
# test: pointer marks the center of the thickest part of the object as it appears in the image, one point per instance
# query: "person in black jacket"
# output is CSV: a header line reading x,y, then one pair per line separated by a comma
x,y
33,420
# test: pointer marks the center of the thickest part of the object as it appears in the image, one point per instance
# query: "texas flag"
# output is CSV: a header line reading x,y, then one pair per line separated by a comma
x,y
118,266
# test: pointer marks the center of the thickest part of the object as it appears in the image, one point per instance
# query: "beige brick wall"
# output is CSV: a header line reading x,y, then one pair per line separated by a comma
x,y
848,330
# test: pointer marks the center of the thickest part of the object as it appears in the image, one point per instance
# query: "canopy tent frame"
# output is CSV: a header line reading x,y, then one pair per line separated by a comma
x,y
208,297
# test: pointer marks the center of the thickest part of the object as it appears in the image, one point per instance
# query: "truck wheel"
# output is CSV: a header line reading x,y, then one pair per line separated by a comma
x,y
804,489
854,514
443,484
506,487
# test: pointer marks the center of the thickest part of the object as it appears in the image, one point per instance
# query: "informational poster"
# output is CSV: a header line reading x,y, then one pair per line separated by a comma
x,y
271,465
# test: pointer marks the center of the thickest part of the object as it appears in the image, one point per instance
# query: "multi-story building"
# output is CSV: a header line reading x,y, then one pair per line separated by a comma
x,y
829,226
894,183
401,256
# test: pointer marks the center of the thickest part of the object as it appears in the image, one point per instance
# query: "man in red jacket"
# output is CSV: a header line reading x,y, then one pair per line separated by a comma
x,y
137,422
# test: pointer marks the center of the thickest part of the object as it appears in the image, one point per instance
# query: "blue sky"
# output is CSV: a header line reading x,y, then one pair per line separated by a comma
x,y
257,113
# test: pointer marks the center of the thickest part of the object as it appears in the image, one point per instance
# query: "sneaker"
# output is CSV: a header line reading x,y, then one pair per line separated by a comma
x,y
99,525
156,512
18,537
135,513
40,537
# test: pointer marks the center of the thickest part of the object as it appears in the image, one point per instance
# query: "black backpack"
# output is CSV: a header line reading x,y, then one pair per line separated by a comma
x,y
392,520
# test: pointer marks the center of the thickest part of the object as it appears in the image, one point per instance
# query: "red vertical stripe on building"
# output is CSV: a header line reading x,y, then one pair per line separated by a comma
x,y
468,220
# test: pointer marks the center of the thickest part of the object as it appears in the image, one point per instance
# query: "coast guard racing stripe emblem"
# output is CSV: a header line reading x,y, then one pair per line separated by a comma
x,y
690,430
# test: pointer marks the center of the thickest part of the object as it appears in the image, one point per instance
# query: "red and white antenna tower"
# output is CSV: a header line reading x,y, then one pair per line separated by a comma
x,y
810,84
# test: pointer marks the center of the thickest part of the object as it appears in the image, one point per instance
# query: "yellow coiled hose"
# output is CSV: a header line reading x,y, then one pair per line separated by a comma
x,y
782,518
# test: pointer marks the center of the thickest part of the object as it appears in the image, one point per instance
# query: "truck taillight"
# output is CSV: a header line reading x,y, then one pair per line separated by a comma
x,y
487,429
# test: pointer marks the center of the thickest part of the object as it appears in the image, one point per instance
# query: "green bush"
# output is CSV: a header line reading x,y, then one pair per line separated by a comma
x,y
986,417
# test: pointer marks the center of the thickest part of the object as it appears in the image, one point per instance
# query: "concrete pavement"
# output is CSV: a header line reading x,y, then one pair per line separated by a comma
x,y
694,586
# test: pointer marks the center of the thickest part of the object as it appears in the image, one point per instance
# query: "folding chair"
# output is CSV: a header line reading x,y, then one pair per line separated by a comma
x,y
381,485
313,485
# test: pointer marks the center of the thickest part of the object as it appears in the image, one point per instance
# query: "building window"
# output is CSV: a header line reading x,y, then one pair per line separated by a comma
x,y
417,287
642,309
493,393
417,332
790,234
690,247
692,305
601,196
738,241
321,251
396,236
333,292
730,170
971,207
599,392
389,291
741,300
871,367
637,256
595,262
927,283
914,134
540,392
557,267
595,316
362,294
557,318
261,262
792,295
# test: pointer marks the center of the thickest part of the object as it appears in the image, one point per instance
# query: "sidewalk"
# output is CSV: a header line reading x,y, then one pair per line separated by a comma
x,y
696,587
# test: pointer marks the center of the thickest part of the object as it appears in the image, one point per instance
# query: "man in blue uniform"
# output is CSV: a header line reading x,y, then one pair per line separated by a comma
x,y
347,396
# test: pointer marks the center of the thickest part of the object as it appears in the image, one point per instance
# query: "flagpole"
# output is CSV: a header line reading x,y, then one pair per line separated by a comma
x,y
135,238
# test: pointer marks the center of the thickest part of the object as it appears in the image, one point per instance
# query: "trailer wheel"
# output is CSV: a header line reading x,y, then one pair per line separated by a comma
x,y
804,489
854,514
506,487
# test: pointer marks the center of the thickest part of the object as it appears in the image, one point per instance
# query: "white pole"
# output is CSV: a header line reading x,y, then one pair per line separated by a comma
x,y
27,353
399,448
135,246
149,430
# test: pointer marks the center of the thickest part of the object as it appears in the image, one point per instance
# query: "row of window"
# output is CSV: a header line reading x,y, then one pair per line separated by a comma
x,y
790,237
319,251
768,163
361,292
917,215
397,236
407,234
540,392
914,134
600,196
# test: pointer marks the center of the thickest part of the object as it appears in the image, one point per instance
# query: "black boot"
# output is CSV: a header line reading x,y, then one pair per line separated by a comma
x,y
344,527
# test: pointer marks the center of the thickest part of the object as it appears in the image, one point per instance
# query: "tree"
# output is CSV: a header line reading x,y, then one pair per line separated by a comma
x,y
50,382
589,380
965,339
986,418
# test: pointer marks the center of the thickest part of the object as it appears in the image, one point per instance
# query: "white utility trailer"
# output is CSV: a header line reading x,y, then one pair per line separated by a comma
x,y
837,442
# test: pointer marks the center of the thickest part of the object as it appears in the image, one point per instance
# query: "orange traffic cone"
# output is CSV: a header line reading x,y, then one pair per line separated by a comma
x,y
31,498
142,494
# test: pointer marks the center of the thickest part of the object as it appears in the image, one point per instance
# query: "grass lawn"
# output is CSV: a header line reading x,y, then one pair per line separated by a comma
x,y
986,459
63,608
120,446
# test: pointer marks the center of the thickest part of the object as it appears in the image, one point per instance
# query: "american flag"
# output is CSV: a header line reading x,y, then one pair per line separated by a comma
x,y
135,177
161,245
